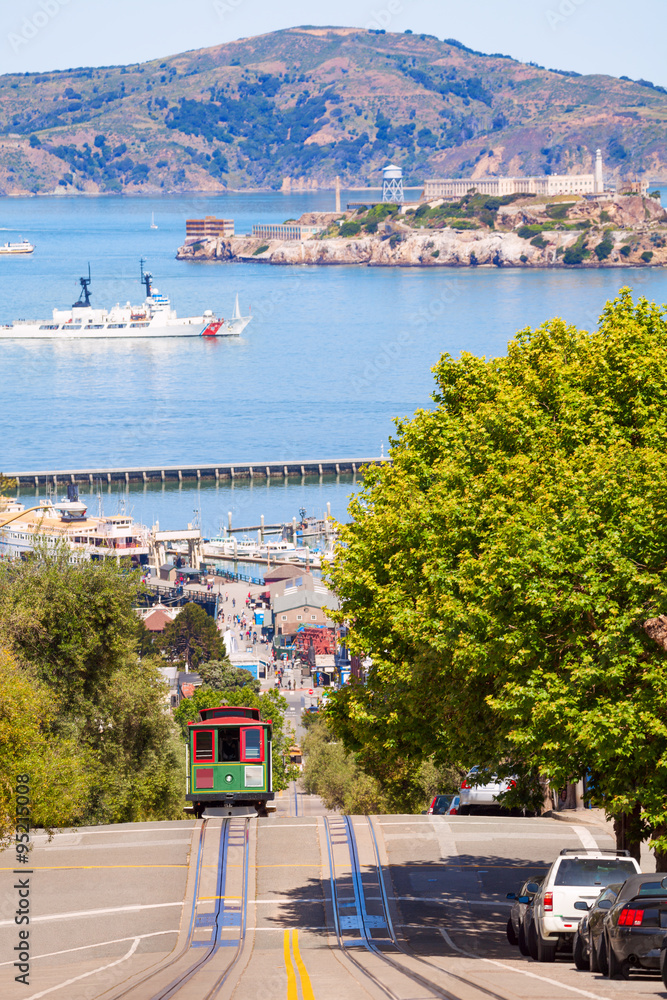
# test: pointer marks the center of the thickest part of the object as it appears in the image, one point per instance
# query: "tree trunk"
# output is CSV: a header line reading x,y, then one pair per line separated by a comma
x,y
628,830
660,855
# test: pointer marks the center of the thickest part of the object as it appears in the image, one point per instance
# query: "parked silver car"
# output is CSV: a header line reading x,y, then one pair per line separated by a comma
x,y
475,791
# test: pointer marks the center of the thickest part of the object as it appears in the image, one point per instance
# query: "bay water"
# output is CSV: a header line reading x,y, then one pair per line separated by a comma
x,y
332,356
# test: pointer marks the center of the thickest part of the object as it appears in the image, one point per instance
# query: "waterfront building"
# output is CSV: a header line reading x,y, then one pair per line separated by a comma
x,y
547,184
208,228
286,232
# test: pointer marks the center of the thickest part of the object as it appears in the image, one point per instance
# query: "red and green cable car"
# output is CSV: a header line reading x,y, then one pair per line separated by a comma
x,y
229,760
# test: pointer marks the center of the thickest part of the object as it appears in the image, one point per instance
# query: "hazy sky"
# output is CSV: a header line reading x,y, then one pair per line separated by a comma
x,y
590,36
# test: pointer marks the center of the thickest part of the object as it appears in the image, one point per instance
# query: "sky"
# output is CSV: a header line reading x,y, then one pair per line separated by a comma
x,y
589,36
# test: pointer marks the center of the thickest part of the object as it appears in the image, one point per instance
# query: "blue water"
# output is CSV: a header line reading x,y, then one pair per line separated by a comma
x,y
332,356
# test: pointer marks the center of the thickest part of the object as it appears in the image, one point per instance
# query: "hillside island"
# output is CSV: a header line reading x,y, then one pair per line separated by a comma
x,y
516,230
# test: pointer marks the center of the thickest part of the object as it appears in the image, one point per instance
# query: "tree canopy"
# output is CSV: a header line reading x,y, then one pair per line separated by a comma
x,y
79,710
500,571
193,637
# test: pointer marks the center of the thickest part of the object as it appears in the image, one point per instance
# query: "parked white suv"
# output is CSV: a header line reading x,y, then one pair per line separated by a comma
x,y
485,794
575,874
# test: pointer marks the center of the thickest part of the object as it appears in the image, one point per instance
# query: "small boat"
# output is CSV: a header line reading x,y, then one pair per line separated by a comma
x,y
153,225
21,246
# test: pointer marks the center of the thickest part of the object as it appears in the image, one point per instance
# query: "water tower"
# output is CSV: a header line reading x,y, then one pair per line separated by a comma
x,y
392,184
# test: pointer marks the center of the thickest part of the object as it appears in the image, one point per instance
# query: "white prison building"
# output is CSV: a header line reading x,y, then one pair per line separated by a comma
x,y
548,184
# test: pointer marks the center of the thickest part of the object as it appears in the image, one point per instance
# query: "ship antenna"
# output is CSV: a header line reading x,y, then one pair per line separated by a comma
x,y
146,278
84,297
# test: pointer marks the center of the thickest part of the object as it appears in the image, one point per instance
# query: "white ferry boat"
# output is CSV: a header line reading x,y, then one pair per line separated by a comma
x,y
21,246
56,521
154,318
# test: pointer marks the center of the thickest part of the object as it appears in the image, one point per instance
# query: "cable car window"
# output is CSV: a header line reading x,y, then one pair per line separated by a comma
x,y
229,745
204,745
252,744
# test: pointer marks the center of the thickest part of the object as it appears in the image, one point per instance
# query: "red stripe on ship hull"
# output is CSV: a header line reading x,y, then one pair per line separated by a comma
x,y
212,329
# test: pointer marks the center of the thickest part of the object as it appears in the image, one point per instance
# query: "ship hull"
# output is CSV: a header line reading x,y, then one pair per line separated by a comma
x,y
51,331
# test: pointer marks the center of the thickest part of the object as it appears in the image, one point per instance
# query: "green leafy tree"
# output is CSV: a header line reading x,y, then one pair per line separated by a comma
x,y
193,637
60,770
103,747
74,623
221,675
6,484
271,705
501,571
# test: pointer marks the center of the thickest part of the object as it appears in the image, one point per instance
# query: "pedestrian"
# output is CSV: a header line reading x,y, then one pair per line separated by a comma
x,y
233,602
226,596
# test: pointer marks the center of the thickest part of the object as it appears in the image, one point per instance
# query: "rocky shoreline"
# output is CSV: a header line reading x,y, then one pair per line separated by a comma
x,y
623,232
444,248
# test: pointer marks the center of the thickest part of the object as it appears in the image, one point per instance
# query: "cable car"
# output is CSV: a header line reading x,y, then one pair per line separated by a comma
x,y
229,761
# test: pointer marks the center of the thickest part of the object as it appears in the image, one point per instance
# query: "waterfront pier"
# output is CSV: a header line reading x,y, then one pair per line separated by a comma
x,y
178,473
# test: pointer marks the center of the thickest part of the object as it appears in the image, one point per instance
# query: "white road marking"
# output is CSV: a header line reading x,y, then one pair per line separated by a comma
x,y
455,899
586,837
85,975
513,968
111,847
94,913
97,944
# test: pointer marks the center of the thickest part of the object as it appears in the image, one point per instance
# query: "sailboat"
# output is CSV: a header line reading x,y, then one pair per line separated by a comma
x,y
153,226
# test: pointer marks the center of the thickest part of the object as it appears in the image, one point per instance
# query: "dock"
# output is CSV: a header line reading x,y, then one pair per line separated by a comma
x,y
179,473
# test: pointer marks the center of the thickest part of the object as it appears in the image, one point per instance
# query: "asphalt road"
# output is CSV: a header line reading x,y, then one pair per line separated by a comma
x,y
111,905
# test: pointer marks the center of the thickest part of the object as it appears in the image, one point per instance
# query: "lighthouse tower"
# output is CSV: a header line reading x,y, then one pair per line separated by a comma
x,y
598,186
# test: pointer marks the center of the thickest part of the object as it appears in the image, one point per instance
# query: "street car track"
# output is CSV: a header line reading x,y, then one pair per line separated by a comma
x,y
225,920
362,891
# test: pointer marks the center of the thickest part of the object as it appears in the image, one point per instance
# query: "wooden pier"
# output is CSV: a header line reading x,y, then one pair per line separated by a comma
x,y
179,473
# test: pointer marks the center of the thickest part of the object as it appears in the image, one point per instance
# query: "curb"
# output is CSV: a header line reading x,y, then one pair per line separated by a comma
x,y
579,816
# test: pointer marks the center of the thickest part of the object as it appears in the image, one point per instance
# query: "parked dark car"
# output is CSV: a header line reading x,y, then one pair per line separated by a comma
x,y
444,805
635,927
515,922
586,943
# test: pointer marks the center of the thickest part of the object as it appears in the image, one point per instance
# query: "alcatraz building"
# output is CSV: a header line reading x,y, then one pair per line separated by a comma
x,y
548,184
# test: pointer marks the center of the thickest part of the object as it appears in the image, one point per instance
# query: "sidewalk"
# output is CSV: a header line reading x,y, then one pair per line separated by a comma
x,y
585,817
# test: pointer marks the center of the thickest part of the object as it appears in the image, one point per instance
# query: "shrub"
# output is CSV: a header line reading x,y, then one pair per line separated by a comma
x,y
604,249
261,249
539,242
350,229
557,211
372,226
436,253
523,258
626,250
576,253
605,216
647,256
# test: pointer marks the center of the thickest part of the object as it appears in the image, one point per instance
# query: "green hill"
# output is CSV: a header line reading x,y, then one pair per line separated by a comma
x,y
309,103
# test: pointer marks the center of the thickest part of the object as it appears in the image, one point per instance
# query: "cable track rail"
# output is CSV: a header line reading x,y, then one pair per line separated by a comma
x,y
222,926
357,897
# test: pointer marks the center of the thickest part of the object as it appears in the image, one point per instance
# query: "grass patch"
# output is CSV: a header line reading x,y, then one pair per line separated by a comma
x,y
264,247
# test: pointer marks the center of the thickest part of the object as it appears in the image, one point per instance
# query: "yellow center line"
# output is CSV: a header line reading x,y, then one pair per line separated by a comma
x,y
306,988
289,966
69,868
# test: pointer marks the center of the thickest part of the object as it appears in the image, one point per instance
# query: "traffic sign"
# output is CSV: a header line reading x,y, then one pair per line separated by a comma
x,y
310,691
